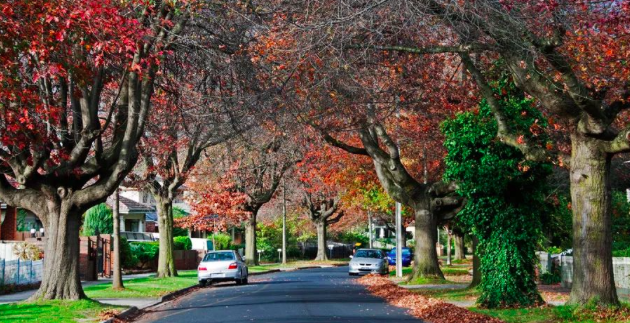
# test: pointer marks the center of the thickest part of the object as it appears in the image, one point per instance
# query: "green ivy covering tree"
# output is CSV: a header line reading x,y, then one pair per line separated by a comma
x,y
505,195
98,218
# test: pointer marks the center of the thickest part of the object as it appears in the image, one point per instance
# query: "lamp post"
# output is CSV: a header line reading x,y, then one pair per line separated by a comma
x,y
331,246
279,254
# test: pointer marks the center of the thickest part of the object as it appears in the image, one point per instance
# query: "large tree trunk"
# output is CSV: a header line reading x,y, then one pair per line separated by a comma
x,y
166,261
459,247
61,256
250,241
476,280
426,262
117,282
321,240
592,233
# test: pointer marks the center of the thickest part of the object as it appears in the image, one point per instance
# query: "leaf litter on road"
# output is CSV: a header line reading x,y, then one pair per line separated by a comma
x,y
428,309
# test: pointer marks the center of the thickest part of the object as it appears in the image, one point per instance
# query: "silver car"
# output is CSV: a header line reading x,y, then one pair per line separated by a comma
x,y
222,265
366,261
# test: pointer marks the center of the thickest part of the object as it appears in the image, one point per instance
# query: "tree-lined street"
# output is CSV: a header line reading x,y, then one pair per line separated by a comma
x,y
302,296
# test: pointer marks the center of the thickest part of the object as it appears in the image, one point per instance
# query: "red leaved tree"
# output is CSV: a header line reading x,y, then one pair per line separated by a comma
x,y
76,83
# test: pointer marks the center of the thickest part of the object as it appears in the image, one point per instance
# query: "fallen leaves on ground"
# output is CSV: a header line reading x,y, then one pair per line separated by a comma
x,y
107,314
428,309
554,293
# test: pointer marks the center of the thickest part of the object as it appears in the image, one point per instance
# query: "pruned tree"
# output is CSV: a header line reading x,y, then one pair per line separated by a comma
x,y
77,81
204,98
432,203
323,212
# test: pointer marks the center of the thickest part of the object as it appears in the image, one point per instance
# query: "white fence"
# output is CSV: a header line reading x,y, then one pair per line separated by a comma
x,y
621,271
6,251
21,272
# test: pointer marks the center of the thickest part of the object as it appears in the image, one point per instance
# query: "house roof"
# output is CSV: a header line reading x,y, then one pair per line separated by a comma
x,y
130,206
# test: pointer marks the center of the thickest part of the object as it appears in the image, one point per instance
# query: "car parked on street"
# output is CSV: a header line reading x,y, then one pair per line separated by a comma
x,y
407,257
366,261
222,265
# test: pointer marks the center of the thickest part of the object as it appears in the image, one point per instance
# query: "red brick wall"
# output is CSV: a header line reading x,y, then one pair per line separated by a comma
x,y
186,259
150,226
9,226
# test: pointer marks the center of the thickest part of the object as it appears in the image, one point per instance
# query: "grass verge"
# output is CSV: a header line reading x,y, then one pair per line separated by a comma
x,y
565,314
150,287
55,311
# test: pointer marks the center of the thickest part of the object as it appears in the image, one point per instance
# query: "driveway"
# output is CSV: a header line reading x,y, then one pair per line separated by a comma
x,y
309,296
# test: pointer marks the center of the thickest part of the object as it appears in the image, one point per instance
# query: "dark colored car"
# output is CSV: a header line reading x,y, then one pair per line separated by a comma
x,y
407,257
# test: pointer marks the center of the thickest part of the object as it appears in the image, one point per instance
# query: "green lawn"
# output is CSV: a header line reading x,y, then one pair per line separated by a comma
x,y
54,311
565,314
455,271
450,293
149,287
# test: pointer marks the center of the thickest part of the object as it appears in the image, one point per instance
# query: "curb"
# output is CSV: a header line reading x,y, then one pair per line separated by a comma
x,y
123,315
264,272
174,294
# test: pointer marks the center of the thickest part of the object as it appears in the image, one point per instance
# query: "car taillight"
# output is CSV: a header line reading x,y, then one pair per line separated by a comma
x,y
233,266
202,268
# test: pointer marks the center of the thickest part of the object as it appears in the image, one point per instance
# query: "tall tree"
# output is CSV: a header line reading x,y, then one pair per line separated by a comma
x,y
506,196
205,92
569,56
323,212
77,81
248,173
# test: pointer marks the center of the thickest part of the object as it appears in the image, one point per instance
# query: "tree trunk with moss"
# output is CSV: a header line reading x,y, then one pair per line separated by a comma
x,y
593,278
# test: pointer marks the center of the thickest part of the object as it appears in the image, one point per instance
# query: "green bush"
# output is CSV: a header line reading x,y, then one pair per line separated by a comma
x,y
182,243
621,253
353,237
505,194
222,241
98,219
145,251
549,278
128,259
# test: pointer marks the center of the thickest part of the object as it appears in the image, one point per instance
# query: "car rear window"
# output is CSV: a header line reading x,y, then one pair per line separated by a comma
x,y
368,254
218,256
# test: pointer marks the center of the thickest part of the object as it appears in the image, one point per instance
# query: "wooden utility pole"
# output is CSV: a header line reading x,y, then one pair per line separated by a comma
x,y
117,282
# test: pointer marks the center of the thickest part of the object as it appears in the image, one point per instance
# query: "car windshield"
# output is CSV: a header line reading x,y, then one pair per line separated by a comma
x,y
368,254
219,256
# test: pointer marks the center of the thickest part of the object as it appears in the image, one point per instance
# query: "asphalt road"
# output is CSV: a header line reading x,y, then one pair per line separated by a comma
x,y
303,296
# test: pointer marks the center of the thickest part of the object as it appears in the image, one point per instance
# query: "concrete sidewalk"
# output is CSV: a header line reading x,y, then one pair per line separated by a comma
x,y
22,296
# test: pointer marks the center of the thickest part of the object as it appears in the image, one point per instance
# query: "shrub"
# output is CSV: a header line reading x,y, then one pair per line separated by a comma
x,y
27,251
98,218
222,241
144,252
550,278
621,253
182,243
128,259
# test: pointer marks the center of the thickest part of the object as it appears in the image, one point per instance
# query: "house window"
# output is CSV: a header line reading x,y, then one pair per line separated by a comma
x,y
145,198
132,226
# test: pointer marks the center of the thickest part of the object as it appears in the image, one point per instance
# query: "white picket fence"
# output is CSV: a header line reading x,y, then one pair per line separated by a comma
x,y
21,272
6,251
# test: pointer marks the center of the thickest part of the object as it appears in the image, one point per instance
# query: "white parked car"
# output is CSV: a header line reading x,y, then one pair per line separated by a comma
x,y
222,265
366,261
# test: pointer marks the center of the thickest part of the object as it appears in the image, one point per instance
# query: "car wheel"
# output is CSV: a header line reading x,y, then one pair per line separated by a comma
x,y
202,283
245,282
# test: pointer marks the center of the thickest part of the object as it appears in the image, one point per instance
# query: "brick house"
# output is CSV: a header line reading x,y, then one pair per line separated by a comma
x,y
8,222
